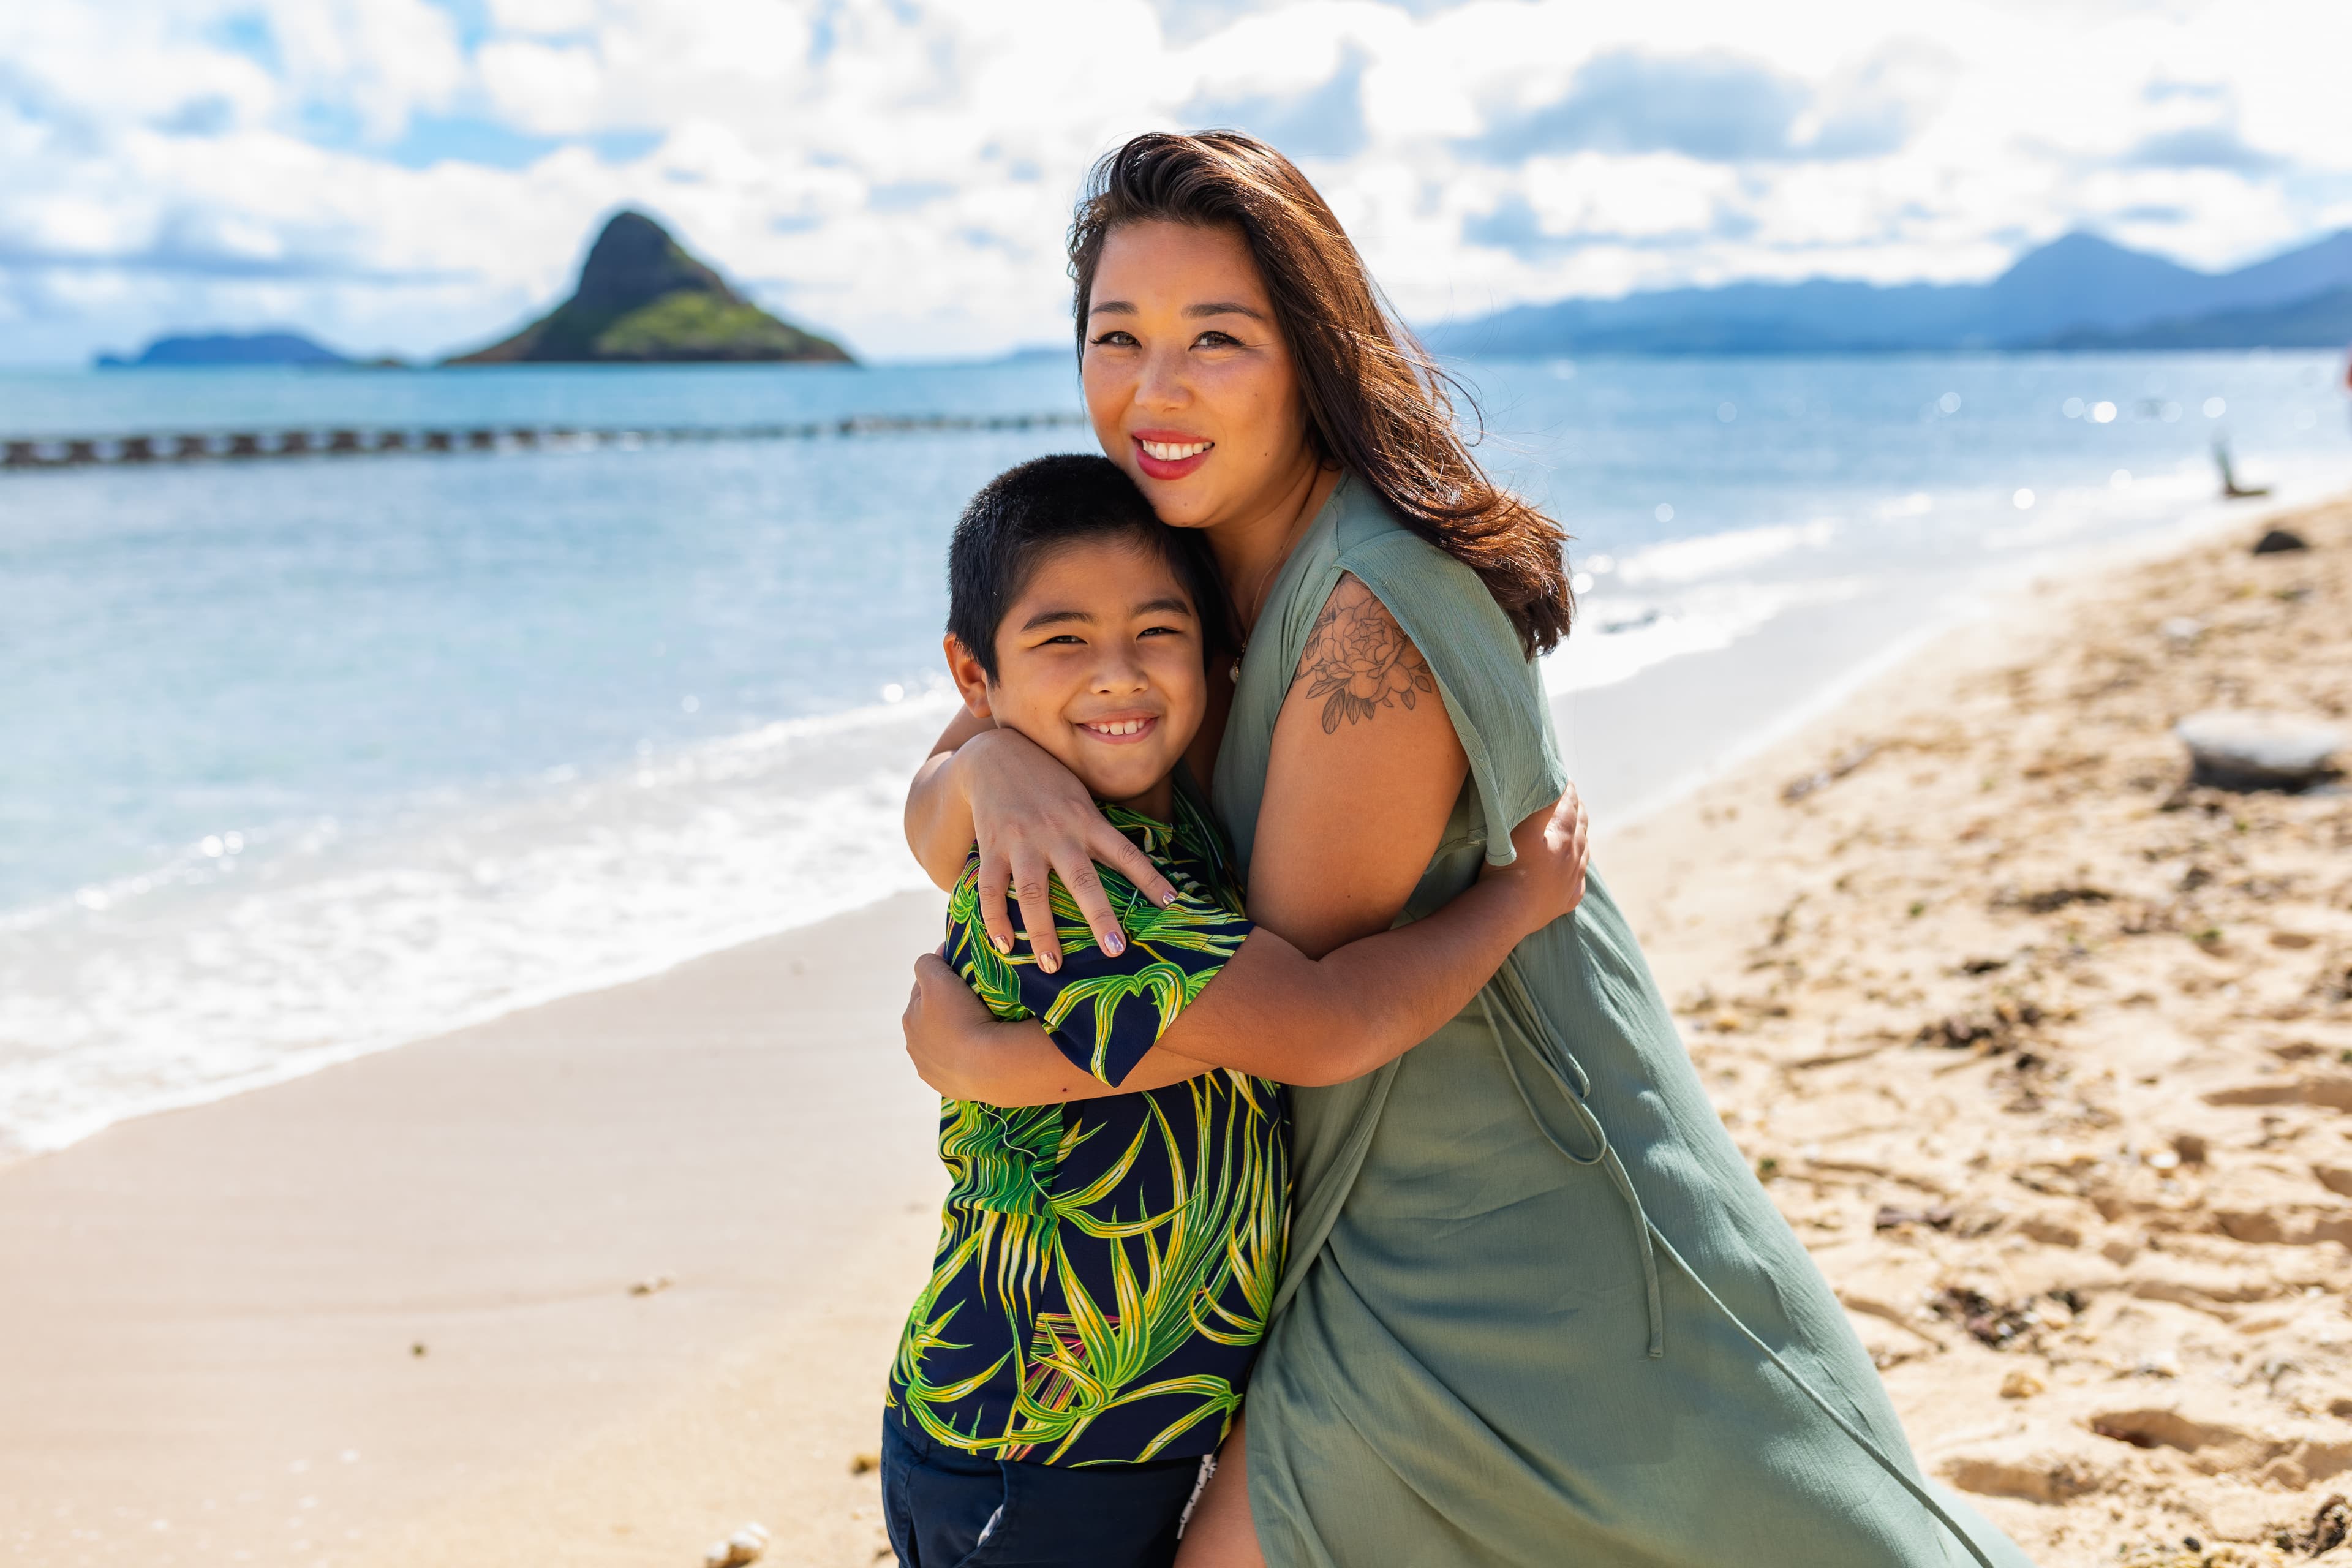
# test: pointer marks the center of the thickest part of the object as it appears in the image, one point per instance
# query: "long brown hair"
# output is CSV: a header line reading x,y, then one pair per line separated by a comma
x,y
1376,402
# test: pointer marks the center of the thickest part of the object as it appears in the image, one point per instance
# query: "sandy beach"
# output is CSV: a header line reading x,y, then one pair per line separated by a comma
x,y
2047,1054
598,1282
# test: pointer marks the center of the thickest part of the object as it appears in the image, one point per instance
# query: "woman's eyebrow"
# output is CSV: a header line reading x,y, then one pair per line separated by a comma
x,y
1211,307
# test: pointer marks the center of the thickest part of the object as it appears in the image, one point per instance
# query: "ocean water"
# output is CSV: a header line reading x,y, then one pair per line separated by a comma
x,y
302,759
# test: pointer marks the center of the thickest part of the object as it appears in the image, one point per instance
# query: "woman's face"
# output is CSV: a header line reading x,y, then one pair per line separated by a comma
x,y
1189,382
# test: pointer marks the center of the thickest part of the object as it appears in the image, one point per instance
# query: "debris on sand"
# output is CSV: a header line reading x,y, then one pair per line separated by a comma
x,y
1989,1321
1846,763
2182,631
742,1547
2279,540
2325,1533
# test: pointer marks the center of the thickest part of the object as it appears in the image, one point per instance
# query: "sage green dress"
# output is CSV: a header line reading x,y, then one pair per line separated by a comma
x,y
1536,1309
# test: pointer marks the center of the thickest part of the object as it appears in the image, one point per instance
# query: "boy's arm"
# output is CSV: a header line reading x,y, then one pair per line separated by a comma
x,y
1272,1011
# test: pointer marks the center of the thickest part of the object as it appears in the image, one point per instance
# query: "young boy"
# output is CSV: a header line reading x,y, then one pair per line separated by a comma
x,y
1107,1258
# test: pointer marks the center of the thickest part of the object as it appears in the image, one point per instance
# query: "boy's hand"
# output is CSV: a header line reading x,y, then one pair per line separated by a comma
x,y
941,1019
1548,874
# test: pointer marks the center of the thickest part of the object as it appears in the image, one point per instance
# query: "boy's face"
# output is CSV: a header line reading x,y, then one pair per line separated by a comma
x,y
1099,660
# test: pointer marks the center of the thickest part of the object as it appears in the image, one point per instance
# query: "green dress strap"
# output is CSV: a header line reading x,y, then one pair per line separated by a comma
x,y
1536,1309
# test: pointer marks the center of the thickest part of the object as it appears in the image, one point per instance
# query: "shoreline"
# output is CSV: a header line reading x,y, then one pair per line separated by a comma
x,y
2066,574
811,799
220,1303
212,1333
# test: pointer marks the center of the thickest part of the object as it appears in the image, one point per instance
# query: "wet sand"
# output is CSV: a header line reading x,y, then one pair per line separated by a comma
x,y
2048,1056
390,1313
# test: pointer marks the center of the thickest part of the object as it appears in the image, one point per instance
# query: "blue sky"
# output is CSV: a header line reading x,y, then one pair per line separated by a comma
x,y
418,175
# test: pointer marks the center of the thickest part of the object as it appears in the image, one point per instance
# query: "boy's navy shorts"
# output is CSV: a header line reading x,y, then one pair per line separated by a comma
x,y
948,1509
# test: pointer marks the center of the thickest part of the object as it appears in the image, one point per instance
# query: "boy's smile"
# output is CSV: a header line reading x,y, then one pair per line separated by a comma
x,y
1120,731
1099,661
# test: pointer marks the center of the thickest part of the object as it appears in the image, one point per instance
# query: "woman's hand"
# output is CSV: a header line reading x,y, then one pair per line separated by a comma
x,y
961,1050
1031,819
1548,875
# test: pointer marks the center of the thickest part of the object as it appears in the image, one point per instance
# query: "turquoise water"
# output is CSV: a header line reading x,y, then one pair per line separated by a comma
x,y
306,757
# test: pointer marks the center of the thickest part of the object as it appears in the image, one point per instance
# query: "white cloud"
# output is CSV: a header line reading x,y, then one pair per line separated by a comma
x,y
380,59
900,171
553,89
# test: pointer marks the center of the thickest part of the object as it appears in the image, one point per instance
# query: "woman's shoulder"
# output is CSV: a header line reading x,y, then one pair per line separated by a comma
x,y
1364,520
1418,581
1493,693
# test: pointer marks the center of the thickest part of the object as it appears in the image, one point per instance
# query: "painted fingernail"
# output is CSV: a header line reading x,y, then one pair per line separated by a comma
x,y
1114,944
999,943
1049,964
1167,898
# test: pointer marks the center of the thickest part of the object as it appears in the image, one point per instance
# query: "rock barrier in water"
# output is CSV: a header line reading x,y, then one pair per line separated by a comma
x,y
153,449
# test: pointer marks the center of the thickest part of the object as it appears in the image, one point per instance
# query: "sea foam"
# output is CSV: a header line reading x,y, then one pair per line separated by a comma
x,y
196,981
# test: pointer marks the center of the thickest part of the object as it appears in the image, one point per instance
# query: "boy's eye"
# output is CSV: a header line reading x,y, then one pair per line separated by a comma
x,y
1162,632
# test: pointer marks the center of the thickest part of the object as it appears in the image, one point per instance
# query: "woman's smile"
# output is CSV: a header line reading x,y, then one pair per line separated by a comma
x,y
1168,455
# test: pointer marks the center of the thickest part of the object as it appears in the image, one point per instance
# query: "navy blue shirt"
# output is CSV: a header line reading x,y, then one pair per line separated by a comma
x,y
1105,1267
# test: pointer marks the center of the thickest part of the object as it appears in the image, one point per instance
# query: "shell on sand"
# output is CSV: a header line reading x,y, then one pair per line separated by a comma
x,y
745,1546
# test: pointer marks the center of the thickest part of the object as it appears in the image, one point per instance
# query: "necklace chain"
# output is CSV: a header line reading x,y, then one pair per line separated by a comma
x,y
1266,585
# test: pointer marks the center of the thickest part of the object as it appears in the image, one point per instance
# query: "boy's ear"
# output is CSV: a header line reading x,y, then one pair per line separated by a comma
x,y
970,680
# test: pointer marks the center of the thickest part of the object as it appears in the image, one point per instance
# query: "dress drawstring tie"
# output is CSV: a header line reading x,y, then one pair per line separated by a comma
x,y
1568,1075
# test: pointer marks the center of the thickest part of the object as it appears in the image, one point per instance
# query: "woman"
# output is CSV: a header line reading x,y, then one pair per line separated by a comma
x,y
1536,1309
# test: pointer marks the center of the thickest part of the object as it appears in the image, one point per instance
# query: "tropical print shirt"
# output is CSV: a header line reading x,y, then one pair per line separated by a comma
x,y
1104,1267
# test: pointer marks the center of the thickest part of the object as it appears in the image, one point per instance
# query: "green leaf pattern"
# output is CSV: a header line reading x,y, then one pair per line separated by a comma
x,y
1104,1270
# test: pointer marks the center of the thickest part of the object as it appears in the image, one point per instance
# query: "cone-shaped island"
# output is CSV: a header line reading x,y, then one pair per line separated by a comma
x,y
642,299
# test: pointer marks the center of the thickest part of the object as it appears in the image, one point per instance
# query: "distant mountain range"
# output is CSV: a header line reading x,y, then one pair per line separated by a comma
x,y
643,299
2077,292
227,347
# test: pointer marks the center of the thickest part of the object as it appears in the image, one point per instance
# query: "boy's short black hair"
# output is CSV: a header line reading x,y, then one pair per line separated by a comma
x,y
1047,502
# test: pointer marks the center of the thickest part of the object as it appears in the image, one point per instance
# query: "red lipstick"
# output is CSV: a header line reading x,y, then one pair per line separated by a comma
x,y
1169,468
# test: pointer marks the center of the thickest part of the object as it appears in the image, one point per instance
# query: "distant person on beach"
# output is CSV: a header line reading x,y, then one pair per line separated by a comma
x,y
1537,1310
1115,1228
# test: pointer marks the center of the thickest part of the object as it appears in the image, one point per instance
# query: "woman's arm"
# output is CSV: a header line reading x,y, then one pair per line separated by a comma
x,y
960,1048
1272,1010
1364,772
1030,819
938,814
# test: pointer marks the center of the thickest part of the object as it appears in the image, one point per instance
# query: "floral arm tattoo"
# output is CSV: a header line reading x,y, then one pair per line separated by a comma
x,y
1359,660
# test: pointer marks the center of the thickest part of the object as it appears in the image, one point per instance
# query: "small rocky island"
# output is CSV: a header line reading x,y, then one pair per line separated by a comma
x,y
209,349
642,299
